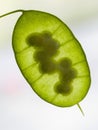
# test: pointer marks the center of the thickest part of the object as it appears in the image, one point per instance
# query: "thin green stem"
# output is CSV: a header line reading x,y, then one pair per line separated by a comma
x,y
80,109
15,11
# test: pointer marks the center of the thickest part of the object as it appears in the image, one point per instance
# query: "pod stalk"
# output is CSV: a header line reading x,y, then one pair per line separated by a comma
x,y
15,11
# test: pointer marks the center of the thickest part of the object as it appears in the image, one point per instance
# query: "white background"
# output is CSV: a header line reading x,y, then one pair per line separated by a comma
x,y
20,107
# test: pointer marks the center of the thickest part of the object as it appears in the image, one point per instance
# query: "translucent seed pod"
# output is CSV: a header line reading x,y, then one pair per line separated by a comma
x,y
50,58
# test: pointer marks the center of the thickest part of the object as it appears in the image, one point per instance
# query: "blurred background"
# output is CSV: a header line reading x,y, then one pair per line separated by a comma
x,y
20,107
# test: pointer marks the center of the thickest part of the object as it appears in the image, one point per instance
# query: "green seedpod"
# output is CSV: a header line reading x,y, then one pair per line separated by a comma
x,y
50,58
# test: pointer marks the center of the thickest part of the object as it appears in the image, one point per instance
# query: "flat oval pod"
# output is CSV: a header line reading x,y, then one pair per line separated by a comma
x,y
50,58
